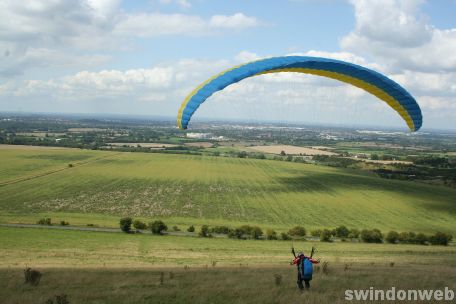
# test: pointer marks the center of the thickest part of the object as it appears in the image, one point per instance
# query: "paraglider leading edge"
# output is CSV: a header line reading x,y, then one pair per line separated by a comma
x,y
369,80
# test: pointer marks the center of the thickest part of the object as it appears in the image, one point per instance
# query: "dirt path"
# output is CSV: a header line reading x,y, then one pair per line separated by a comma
x,y
98,229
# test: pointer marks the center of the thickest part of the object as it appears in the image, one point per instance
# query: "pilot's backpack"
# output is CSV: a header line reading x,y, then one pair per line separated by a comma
x,y
306,269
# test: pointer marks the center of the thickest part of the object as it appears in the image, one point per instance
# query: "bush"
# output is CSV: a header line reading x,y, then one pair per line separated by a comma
x,y
325,235
191,228
246,229
242,154
158,227
297,231
256,233
175,228
245,232
204,232
412,238
392,237
404,237
315,233
221,229
271,234
440,238
341,232
31,276
421,239
125,224
63,223
372,236
285,236
353,234
139,225
236,234
44,221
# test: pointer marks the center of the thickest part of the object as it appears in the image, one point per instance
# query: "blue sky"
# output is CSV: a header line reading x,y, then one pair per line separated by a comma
x,y
143,57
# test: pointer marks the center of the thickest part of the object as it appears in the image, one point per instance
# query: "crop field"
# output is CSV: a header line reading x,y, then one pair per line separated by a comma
x,y
102,186
99,267
277,149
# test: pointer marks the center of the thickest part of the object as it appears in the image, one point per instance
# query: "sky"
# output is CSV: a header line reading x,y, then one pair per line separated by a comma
x,y
144,57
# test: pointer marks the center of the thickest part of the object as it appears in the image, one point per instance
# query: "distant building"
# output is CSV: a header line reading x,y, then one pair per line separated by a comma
x,y
207,136
200,135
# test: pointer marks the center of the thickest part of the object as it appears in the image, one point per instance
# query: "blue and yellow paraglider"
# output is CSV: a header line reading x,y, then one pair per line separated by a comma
x,y
371,81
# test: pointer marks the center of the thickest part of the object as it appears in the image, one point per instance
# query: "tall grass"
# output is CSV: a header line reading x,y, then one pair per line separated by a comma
x,y
216,285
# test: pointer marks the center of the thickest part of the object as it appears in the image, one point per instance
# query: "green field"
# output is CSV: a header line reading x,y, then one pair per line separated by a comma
x,y
114,267
97,267
183,190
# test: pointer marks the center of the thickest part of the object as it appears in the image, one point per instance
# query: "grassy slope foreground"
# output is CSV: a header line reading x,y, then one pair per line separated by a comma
x,y
97,267
196,189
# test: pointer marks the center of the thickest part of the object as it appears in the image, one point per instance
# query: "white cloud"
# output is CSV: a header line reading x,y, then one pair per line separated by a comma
x,y
246,56
237,21
157,24
392,22
181,3
421,57
149,25
397,34
438,103
71,29
17,60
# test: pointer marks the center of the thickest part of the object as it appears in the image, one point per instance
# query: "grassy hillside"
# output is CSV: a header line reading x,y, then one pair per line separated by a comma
x,y
97,267
198,189
65,248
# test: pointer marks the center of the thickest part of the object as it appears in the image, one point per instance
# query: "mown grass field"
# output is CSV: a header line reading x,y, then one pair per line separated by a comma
x,y
183,190
97,267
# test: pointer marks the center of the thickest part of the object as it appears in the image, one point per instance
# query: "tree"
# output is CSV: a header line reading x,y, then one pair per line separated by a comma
x,y
45,221
375,157
137,224
325,235
372,236
204,232
440,238
285,236
315,233
221,229
236,234
342,232
158,227
271,234
297,231
282,153
421,239
403,237
242,154
392,237
125,224
256,233
353,234
191,228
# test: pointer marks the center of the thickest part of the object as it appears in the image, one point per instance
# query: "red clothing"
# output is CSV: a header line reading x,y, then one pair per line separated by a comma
x,y
297,259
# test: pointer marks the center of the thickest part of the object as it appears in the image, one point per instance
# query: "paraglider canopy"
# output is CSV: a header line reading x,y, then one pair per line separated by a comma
x,y
369,80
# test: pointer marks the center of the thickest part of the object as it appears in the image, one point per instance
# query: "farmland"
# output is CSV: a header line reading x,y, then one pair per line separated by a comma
x,y
101,186
277,149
